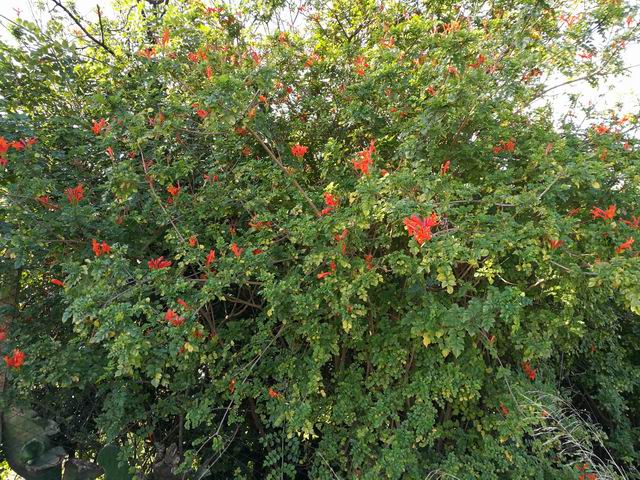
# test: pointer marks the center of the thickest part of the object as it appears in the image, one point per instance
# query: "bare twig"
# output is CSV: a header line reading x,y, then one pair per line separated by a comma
x,y
157,197
327,464
549,187
242,302
77,21
100,22
279,163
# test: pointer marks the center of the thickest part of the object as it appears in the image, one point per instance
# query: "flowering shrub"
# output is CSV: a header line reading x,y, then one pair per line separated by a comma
x,y
344,250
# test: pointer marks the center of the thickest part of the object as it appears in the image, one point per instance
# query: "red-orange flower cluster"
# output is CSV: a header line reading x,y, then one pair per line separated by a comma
x,y
158,263
340,238
173,190
97,126
360,64
365,161
420,228
16,360
479,61
601,129
199,56
368,261
74,194
529,370
273,393
608,214
332,267
165,37
508,146
148,52
259,224
584,475
330,203
298,151
100,248
46,202
173,318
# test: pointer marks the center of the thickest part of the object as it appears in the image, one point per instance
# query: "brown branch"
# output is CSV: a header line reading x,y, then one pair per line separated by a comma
x,y
100,22
444,232
76,20
254,417
242,302
549,187
157,197
279,163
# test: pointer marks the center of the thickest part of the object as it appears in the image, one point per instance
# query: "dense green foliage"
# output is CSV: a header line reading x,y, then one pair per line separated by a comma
x,y
330,336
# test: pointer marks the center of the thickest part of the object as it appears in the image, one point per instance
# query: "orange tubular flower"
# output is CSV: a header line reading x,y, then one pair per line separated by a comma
x,y
237,251
555,244
165,37
147,53
100,248
368,260
332,269
4,145
46,202
273,393
625,245
634,222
